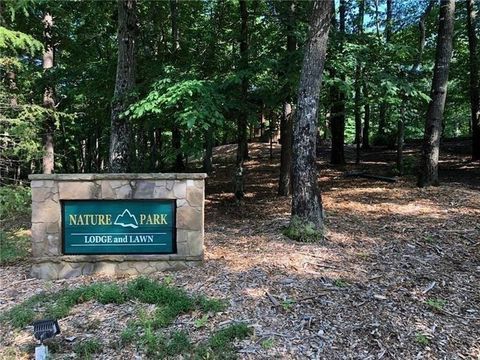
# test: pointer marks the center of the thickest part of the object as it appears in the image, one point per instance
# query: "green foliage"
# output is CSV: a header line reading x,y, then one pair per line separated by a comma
x,y
14,202
14,246
210,305
86,349
201,322
421,339
18,41
302,231
340,283
436,304
268,343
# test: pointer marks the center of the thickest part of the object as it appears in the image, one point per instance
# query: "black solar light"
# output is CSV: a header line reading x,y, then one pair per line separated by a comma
x,y
43,330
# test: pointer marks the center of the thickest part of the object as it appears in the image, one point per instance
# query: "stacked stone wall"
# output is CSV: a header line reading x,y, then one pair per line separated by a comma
x,y
188,190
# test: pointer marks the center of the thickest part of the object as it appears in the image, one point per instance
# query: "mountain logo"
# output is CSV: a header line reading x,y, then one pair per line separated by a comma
x,y
126,219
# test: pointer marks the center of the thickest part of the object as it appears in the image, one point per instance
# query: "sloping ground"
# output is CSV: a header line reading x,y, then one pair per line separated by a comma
x,y
398,277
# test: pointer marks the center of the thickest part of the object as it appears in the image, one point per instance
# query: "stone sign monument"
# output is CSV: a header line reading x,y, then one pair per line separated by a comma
x,y
116,224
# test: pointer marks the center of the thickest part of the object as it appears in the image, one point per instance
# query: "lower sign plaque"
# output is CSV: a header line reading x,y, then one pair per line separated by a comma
x,y
118,227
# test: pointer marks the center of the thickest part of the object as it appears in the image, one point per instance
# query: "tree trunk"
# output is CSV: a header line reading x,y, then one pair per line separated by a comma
x,y
382,122
433,126
242,150
306,200
474,79
176,132
337,117
286,123
207,158
286,126
401,137
366,120
48,94
124,84
358,88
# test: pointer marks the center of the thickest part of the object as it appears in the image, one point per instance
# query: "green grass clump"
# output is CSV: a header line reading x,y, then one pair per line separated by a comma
x,y
87,348
303,231
210,305
14,246
422,339
220,344
436,304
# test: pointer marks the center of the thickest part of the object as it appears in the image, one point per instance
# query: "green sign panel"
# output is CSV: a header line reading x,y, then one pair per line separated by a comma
x,y
118,227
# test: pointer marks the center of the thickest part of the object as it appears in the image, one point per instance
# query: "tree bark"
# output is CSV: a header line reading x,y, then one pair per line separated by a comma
x,y
383,114
306,200
124,83
176,132
242,150
428,174
358,87
366,120
207,157
286,122
474,79
337,98
48,160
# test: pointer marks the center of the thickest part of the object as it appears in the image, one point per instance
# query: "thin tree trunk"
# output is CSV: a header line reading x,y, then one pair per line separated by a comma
x,y
242,150
207,158
366,120
306,199
337,119
285,184
286,122
382,122
400,138
358,88
48,94
124,84
433,126
474,79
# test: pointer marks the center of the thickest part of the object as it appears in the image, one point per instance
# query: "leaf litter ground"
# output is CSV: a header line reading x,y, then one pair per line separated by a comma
x,y
398,276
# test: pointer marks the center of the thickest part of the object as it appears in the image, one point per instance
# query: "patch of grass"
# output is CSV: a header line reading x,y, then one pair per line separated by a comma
x,y
340,283
422,339
429,239
223,338
436,304
302,231
201,322
268,343
179,344
87,348
210,305
23,314
287,304
14,246
110,294
128,334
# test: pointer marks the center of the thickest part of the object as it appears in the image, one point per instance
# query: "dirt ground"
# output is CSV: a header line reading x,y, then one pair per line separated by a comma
x,y
398,276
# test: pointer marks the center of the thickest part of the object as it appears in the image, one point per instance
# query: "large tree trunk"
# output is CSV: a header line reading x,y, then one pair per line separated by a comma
x,y
124,83
242,150
306,200
383,114
474,79
286,122
48,94
358,86
433,126
176,132
337,97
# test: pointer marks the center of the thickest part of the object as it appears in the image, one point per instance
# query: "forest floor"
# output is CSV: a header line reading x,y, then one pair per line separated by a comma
x,y
398,276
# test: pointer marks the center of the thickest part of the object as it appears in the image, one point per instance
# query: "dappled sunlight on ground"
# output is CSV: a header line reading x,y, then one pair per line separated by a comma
x,y
391,253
